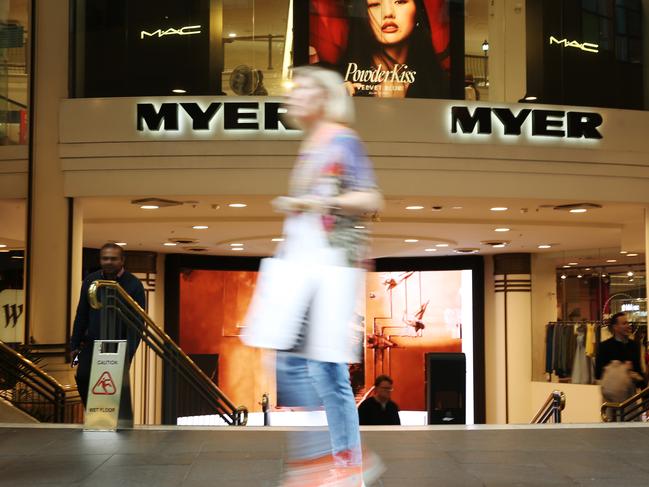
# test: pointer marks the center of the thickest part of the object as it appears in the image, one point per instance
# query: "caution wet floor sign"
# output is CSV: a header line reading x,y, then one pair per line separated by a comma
x,y
106,376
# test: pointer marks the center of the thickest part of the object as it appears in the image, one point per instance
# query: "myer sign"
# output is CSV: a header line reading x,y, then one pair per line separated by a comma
x,y
226,116
537,122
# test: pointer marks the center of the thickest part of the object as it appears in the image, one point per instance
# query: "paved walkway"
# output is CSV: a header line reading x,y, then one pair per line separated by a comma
x,y
598,455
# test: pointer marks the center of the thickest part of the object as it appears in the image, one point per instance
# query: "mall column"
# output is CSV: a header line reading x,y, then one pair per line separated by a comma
x,y
48,261
513,317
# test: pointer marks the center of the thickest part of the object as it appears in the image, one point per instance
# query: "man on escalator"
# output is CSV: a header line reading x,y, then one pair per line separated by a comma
x,y
87,322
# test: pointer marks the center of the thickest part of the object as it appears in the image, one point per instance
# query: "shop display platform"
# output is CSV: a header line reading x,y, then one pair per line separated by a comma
x,y
499,456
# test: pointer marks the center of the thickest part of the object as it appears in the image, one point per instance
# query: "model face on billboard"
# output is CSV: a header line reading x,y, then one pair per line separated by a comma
x,y
391,21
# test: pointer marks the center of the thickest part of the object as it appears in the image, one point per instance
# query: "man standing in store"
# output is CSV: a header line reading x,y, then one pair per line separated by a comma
x,y
618,362
380,409
87,322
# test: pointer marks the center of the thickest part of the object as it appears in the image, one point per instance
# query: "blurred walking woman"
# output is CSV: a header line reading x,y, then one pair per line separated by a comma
x,y
390,51
332,187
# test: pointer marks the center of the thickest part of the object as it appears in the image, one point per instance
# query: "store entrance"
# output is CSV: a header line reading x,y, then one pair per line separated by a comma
x,y
432,287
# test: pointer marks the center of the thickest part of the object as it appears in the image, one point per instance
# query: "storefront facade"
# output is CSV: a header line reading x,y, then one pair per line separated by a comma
x,y
95,153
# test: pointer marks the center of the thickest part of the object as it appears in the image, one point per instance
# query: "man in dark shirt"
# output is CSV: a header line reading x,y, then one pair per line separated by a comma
x,y
379,409
618,347
87,321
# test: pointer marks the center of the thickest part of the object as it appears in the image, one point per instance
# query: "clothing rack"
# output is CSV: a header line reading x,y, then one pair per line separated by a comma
x,y
562,347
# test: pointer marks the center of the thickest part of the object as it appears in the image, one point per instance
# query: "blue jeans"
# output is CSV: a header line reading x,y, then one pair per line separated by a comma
x,y
310,384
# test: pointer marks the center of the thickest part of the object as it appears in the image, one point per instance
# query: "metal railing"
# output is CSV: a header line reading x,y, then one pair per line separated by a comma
x,y
167,383
629,410
27,387
550,412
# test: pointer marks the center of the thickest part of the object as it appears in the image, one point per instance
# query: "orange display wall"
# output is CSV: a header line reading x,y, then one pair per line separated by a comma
x,y
406,314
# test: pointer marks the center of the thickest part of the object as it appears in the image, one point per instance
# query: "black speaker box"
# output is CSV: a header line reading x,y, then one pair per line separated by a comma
x,y
446,388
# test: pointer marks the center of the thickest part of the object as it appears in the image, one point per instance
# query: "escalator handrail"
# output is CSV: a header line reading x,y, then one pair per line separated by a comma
x,y
643,394
556,400
33,368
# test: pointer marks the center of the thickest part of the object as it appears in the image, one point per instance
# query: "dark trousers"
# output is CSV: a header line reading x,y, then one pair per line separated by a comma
x,y
83,382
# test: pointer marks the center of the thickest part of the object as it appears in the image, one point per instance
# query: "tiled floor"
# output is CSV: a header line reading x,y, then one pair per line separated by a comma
x,y
487,456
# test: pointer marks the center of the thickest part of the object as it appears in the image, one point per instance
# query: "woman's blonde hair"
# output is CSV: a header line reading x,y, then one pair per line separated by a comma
x,y
339,107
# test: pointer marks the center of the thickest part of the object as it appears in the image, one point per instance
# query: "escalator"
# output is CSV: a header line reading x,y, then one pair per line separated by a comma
x,y
167,384
29,389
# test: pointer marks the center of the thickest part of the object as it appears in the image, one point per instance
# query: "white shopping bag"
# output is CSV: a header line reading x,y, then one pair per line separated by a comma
x,y
278,308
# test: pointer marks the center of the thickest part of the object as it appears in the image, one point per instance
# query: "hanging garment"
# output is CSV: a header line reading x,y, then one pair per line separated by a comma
x,y
581,368
549,347
591,340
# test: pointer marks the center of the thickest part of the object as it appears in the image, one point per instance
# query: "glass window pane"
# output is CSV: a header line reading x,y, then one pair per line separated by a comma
x,y
590,27
256,54
635,50
620,20
621,48
14,80
634,20
590,5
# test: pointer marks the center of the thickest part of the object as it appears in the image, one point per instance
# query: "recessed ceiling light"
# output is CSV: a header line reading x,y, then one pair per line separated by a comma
x,y
456,207
441,245
359,227
430,250
237,205
578,210
200,227
170,244
279,239
623,252
573,263
631,255
179,91
411,240
503,229
499,208
414,207
545,246
121,244
610,261
17,257
563,276
149,207
232,34
2,246
566,267
236,245
579,276
498,246
587,269
236,248
603,274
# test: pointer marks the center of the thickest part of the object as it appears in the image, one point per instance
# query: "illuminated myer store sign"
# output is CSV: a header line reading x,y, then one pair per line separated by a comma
x,y
541,123
235,116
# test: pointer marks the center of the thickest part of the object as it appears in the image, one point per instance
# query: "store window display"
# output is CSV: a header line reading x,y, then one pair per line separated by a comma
x,y
586,300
